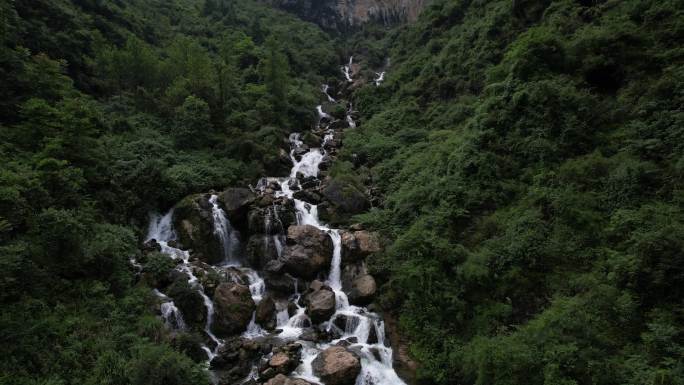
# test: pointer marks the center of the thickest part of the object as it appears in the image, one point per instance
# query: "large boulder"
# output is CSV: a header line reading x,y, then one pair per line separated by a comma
x,y
194,224
278,281
350,272
337,366
346,198
363,290
308,251
266,313
284,360
233,306
281,379
357,245
262,249
320,304
272,219
236,202
234,360
190,302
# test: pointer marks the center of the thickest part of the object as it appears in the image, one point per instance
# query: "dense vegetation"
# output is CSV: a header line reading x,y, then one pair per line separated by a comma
x,y
530,160
109,110
527,158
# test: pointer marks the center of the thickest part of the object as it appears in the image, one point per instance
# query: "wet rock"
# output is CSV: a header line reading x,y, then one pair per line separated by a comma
x,y
234,360
309,251
281,379
236,202
261,249
190,303
363,290
194,224
345,198
341,322
272,219
350,272
368,242
325,164
320,305
266,313
308,196
309,182
151,246
337,366
284,360
282,283
233,309
372,335
291,309
358,245
376,353
316,285
347,342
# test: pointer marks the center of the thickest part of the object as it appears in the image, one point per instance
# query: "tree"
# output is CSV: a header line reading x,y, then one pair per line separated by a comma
x,y
275,69
193,126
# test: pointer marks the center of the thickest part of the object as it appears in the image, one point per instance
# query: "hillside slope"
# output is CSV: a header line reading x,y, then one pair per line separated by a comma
x,y
527,158
111,110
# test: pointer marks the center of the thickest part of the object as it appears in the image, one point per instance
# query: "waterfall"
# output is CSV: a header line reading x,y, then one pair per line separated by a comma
x,y
229,238
360,324
325,90
334,279
376,358
346,70
380,77
173,319
161,230
350,120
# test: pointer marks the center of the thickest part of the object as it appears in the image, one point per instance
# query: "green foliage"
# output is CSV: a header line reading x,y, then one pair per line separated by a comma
x,y
110,110
528,165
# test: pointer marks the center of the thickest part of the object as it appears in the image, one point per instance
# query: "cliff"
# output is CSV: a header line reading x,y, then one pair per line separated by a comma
x,y
343,14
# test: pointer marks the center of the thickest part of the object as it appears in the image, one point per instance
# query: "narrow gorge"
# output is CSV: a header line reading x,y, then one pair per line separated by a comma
x,y
280,296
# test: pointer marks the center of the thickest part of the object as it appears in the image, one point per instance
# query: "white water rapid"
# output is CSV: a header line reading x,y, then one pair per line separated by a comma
x,y
380,77
347,69
361,330
325,90
230,238
161,230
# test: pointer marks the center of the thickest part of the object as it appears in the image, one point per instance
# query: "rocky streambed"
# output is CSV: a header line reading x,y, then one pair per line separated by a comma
x,y
274,294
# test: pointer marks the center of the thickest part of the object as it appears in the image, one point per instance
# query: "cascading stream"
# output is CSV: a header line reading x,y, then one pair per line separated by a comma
x,y
360,324
161,230
376,357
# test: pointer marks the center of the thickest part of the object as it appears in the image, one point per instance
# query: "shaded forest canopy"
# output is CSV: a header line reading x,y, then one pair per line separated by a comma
x,y
110,110
526,159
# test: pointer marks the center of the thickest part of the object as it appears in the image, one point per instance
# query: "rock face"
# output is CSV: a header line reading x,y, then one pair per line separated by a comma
x,y
360,244
342,14
363,290
277,280
345,198
261,249
337,366
236,203
194,224
234,360
308,251
284,360
266,313
282,380
233,306
272,219
320,304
